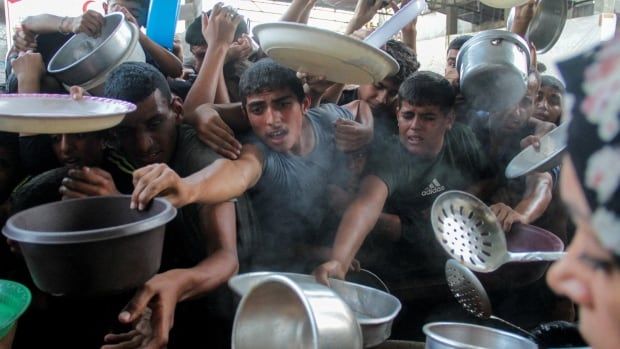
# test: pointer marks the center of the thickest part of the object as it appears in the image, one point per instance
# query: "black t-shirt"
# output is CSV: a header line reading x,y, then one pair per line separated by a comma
x,y
290,199
413,185
185,244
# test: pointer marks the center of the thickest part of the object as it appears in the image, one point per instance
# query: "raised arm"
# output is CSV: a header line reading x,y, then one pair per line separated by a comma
x,y
354,135
357,222
297,10
90,23
218,31
221,181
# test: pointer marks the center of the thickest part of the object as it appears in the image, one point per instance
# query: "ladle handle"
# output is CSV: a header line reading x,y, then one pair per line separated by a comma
x,y
403,16
510,324
535,256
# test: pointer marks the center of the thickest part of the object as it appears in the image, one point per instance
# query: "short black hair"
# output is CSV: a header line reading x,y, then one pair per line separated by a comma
x,y
267,75
548,80
406,58
135,81
194,37
458,42
427,88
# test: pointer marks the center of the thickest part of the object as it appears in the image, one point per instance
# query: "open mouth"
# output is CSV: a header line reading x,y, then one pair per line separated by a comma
x,y
277,136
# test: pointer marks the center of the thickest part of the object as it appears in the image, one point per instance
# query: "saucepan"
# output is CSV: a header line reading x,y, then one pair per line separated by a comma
x,y
84,59
280,313
494,67
453,335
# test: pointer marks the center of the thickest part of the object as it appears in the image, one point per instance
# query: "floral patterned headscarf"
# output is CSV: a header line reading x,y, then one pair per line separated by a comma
x,y
593,109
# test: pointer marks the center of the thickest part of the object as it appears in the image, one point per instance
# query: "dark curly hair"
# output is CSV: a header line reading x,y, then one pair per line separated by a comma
x,y
406,58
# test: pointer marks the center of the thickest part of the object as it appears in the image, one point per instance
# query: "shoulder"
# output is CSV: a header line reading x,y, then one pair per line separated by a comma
x,y
191,154
329,112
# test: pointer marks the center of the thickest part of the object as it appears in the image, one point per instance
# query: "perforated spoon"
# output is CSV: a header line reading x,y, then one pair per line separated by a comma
x,y
469,231
470,293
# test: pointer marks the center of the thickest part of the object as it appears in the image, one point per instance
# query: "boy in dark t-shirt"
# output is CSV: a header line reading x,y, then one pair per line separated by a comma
x,y
284,166
430,157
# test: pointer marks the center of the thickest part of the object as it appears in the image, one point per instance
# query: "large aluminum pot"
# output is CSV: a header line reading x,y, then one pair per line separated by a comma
x,y
374,309
453,335
493,68
280,313
83,58
91,246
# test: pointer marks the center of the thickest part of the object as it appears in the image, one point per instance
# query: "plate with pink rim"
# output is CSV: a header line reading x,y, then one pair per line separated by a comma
x,y
56,113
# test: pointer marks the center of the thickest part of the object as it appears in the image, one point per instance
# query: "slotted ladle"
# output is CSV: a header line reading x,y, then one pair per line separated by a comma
x,y
470,293
469,231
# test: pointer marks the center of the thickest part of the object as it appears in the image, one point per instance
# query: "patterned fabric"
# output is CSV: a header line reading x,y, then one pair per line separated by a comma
x,y
593,107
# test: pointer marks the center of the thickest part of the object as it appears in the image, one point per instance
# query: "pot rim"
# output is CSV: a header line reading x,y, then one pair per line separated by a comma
x,y
494,34
92,235
428,331
299,293
87,56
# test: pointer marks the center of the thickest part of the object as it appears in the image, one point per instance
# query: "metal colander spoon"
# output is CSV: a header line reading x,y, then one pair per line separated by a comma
x,y
469,231
470,293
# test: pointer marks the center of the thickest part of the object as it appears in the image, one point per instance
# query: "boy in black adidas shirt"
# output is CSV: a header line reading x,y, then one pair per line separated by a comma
x,y
431,155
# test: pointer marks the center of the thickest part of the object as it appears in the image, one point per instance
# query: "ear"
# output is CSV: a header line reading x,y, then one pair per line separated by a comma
x,y
450,117
176,106
305,104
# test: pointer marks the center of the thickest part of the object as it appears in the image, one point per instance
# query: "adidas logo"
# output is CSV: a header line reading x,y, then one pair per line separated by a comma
x,y
433,188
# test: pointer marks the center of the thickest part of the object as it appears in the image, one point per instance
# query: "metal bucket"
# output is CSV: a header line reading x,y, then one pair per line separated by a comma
x,y
494,66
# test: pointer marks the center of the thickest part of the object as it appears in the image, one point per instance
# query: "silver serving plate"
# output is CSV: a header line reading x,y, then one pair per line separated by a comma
x,y
552,146
375,310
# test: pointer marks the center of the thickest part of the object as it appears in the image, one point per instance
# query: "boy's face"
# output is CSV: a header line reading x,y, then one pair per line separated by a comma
x,y
78,149
513,120
136,7
549,104
276,118
381,94
148,135
422,128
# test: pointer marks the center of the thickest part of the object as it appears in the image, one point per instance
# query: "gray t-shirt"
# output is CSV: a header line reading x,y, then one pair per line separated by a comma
x,y
290,199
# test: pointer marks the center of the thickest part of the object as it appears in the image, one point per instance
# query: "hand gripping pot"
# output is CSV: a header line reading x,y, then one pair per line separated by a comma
x,y
91,246
493,68
279,313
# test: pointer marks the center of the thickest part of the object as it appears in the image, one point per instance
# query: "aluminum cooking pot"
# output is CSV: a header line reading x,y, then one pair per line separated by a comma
x,y
546,25
91,246
493,68
84,58
280,313
453,335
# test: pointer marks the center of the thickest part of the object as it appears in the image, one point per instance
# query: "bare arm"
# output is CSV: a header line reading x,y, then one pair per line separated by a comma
x,y
364,11
389,226
537,196
90,23
221,181
221,94
523,16
357,222
218,31
296,10
333,93
163,291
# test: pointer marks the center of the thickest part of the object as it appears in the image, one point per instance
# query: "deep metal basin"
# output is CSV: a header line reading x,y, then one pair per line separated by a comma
x,y
83,58
452,335
279,313
547,24
493,68
91,246
375,310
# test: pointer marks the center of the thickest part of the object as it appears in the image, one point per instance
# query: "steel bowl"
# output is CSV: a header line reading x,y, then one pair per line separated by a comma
x,y
550,154
452,335
281,313
494,67
91,246
546,25
82,58
374,309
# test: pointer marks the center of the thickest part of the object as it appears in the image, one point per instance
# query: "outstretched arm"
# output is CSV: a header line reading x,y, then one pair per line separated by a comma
x,y
221,181
357,222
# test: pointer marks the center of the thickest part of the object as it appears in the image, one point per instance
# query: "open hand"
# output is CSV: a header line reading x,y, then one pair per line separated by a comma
x,y
214,132
220,27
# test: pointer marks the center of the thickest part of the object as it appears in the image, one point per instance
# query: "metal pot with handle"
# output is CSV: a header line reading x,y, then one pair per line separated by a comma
x,y
494,66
